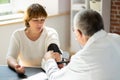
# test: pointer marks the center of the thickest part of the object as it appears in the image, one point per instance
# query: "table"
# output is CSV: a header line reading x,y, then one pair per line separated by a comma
x,y
6,73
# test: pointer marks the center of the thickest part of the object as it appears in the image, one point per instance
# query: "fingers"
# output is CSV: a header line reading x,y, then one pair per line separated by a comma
x,y
19,69
49,55
57,57
53,55
60,66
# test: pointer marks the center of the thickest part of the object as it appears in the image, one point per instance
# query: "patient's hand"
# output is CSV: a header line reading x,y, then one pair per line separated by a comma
x,y
57,57
20,69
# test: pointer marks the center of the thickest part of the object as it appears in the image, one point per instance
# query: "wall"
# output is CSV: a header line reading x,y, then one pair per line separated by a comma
x,y
61,23
115,16
106,8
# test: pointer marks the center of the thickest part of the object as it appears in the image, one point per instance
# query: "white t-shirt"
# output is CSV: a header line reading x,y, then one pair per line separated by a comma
x,y
28,52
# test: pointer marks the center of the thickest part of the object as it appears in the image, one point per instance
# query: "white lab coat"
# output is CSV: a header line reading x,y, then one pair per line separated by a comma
x,y
98,60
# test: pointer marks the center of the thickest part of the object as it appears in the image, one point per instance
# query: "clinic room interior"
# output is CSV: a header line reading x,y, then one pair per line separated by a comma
x,y
60,17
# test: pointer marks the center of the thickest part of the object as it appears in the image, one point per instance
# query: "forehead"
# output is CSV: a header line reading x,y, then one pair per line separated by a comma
x,y
38,18
36,15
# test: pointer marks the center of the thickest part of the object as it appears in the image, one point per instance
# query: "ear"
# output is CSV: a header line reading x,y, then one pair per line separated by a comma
x,y
80,37
79,33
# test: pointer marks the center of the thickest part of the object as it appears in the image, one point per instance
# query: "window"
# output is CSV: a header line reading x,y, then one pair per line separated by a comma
x,y
14,9
16,6
4,1
5,7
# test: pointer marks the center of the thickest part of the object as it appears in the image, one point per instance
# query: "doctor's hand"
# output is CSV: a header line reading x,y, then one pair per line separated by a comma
x,y
52,55
48,55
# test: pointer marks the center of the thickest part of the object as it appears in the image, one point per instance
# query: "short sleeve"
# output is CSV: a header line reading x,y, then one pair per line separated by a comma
x,y
13,49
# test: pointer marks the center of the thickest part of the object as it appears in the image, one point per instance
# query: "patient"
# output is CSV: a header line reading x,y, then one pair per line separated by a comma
x,y
29,44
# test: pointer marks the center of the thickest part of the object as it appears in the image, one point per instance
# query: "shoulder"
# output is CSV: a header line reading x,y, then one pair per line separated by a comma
x,y
50,30
114,35
114,38
18,32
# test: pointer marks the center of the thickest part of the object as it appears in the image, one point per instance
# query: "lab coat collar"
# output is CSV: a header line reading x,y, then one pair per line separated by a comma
x,y
96,36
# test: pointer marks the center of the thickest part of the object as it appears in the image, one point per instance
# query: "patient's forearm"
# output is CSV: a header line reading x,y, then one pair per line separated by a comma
x,y
12,62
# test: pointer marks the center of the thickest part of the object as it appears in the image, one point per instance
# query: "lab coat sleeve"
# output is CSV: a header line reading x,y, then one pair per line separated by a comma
x,y
52,70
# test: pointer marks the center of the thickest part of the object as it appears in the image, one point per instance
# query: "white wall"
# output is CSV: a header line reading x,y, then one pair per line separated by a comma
x,y
60,23
106,8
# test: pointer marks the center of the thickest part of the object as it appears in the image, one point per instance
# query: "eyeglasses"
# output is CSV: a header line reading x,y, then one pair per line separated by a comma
x,y
38,20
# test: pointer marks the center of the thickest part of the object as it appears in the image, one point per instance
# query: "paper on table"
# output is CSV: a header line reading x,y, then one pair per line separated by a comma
x,y
38,76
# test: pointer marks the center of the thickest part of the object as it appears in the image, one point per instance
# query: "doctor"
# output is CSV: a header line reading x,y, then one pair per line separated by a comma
x,y
99,58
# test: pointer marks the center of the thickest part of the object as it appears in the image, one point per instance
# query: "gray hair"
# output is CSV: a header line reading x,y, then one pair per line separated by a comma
x,y
88,22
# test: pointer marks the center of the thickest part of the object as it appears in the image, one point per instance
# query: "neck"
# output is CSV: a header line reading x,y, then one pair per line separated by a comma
x,y
32,32
84,39
32,35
